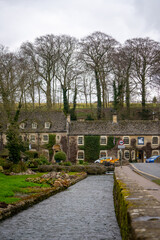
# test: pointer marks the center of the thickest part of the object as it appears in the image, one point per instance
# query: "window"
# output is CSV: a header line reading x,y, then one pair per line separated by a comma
x,y
103,140
133,155
58,138
155,140
34,125
32,138
126,140
155,152
47,125
103,154
80,155
126,154
22,125
45,138
80,140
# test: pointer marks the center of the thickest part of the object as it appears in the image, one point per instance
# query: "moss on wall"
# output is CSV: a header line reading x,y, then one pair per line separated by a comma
x,y
120,192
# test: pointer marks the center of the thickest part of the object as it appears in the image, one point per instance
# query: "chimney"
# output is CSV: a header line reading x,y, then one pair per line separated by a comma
x,y
115,118
68,118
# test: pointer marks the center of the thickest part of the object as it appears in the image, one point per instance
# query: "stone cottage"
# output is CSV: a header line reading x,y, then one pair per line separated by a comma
x,y
141,138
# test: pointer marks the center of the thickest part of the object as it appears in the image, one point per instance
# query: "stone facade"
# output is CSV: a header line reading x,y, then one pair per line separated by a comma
x,y
141,138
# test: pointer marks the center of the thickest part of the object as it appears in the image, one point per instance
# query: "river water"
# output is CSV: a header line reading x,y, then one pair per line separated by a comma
x,y
85,211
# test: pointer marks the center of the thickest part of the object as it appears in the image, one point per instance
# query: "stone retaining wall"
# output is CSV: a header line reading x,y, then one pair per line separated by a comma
x,y
137,212
13,209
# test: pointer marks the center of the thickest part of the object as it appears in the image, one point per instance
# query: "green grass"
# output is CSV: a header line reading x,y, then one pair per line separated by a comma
x,y
11,185
157,181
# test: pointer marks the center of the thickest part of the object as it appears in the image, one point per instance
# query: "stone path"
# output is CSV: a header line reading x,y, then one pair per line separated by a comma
x,y
151,187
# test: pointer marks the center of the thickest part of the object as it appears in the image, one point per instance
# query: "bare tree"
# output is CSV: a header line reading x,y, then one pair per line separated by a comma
x,y
145,54
67,69
44,54
96,50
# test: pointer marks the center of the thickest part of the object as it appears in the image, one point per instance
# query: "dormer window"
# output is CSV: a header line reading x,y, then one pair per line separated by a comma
x,y
22,125
47,125
34,125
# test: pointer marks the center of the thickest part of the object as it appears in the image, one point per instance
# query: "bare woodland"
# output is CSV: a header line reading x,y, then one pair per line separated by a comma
x,y
64,70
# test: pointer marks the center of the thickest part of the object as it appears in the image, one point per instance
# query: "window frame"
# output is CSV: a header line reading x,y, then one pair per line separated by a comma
x,y
101,152
80,151
126,151
128,140
133,152
155,151
31,140
22,125
157,139
43,138
47,127
80,144
103,137
34,127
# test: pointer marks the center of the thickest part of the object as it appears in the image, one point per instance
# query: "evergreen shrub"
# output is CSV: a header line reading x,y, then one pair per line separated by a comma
x,y
60,156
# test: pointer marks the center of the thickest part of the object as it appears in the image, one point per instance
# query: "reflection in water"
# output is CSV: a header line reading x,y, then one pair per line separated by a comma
x,y
83,211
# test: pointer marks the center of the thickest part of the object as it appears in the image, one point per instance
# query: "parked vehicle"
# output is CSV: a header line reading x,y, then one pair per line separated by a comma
x,y
153,159
110,160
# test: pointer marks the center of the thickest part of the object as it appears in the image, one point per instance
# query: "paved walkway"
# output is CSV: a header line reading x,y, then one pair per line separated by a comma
x,y
151,187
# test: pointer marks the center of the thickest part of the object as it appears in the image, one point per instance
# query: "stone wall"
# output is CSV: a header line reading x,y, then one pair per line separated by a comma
x,y
137,212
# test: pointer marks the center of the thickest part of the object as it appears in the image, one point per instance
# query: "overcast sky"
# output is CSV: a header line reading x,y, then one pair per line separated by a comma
x,y
24,20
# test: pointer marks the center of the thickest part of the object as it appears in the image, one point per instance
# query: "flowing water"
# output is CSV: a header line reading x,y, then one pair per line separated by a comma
x,y
83,211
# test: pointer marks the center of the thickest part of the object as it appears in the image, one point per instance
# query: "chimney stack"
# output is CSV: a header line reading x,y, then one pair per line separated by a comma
x,y
115,118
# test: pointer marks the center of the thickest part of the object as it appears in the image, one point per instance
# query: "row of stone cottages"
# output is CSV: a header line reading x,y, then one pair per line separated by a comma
x,y
88,140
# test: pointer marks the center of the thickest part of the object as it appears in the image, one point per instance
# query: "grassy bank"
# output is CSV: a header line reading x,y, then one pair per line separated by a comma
x,y
12,187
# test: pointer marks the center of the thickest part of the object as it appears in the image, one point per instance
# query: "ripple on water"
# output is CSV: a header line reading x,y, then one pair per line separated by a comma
x,y
84,211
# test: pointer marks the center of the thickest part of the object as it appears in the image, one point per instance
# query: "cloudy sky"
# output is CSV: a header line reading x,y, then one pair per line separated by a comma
x,y
24,20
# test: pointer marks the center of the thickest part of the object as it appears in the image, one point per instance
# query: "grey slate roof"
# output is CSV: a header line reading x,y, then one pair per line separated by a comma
x,y
124,128
56,119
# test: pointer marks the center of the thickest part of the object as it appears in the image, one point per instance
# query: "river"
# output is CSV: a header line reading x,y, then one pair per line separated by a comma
x,y
84,211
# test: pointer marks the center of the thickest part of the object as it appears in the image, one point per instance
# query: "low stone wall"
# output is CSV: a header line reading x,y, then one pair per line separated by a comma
x,y
137,212
13,209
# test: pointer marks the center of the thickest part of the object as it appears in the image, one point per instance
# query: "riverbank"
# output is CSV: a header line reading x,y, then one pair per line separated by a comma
x,y
12,209
137,207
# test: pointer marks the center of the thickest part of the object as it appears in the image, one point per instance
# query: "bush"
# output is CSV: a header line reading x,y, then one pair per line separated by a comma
x,y
17,168
7,165
34,163
1,169
31,154
2,162
68,163
60,156
81,161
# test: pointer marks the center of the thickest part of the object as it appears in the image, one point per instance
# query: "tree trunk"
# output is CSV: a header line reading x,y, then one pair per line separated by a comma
x,y
49,101
99,105
143,96
65,101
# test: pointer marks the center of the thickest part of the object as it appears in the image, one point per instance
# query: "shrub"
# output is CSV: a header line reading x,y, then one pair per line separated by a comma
x,y
1,169
31,154
7,165
17,168
68,163
77,168
34,163
80,161
46,168
2,162
60,156
95,169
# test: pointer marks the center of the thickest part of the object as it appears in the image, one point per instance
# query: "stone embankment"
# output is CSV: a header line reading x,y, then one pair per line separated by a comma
x,y
137,211
60,184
